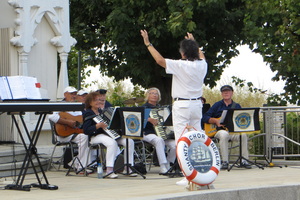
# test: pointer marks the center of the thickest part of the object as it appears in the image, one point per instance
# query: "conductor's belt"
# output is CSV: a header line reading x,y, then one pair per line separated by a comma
x,y
185,99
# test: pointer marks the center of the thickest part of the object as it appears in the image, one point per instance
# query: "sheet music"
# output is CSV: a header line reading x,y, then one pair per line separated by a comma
x,y
5,92
19,87
32,92
223,116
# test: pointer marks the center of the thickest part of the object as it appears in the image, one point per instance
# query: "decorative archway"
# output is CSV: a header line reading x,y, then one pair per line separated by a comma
x,y
29,16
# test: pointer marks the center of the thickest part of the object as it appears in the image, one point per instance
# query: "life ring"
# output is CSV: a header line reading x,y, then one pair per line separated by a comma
x,y
198,157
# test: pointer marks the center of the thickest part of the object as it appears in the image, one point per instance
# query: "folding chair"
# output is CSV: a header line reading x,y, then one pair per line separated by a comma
x,y
57,143
144,152
100,156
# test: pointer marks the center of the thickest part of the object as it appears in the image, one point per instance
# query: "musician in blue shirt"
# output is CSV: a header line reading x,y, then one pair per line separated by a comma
x,y
94,104
152,98
212,116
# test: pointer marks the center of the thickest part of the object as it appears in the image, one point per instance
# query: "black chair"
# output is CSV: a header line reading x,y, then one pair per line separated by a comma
x,y
56,144
100,148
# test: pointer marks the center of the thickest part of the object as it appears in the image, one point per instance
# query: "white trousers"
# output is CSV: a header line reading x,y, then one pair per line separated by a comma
x,y
187,112
159,145
224,137
82,141
112,148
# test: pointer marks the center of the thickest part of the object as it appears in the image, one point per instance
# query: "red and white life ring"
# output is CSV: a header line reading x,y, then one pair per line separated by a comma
x,y
207,159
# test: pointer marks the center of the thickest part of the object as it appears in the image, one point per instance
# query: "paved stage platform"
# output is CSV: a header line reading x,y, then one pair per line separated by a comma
x,y
271,183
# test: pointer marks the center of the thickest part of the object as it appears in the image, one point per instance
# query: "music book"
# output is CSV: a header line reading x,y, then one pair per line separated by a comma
x,y
130,119
19,87
241,119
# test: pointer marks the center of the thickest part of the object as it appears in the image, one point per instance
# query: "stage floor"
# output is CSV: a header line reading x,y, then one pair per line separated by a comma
x,y
154,186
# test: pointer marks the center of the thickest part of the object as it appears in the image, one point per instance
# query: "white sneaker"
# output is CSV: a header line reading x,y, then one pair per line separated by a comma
x,y
85,171
163,169
168,165
182,182
112,175
132,174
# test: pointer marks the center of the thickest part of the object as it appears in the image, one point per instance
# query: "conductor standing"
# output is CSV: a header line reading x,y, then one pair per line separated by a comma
x,y
187,81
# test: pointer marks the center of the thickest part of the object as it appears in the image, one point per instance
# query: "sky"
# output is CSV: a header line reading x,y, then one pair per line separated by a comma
x,y
250,66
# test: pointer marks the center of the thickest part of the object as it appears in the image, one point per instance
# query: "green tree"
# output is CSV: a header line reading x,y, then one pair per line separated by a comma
x,y
273,30
108,34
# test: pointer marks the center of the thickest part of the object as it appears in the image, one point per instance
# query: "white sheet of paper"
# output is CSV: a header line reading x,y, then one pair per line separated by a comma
x,y
5,92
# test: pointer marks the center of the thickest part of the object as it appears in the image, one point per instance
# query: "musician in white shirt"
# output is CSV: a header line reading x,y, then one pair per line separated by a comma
x,y
81,140
188,77
94,104
152,98
187,80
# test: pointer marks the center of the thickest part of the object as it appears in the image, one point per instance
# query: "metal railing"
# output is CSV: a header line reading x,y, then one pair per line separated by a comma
x,y
282,132
279,138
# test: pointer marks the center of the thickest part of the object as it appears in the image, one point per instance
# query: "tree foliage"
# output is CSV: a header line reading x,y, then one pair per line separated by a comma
x,y
273,30
108,33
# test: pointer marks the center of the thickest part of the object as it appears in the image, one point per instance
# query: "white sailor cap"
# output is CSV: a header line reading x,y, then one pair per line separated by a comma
x,y
70,89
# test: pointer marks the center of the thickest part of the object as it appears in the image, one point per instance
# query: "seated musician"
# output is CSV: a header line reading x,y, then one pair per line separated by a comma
x,y
212,117
81,95
81,139
152,98
103,91
94,105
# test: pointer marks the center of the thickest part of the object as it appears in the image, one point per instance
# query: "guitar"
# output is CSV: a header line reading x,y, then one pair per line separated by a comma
x,y
65,130
212,129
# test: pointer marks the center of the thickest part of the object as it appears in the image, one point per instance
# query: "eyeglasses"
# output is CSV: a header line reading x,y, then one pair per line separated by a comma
x,y
99,100
154,93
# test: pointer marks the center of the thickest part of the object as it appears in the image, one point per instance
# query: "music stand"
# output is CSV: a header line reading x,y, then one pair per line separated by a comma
x,y
169,120
242,120
175,167
130,119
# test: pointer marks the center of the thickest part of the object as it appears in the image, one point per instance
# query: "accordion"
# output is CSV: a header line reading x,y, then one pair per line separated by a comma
x,y
105,117
161,114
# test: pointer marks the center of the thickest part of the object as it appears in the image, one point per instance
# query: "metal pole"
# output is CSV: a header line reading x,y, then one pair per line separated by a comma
x,y
79,70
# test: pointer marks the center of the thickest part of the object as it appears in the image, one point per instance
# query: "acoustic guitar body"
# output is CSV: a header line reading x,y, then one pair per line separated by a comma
x,y
65,130
212,129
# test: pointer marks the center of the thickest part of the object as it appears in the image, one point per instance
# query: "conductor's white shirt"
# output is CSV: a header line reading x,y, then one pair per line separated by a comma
x,y
188,77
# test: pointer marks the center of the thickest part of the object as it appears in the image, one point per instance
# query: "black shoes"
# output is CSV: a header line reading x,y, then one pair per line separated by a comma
x,y
246,165
224,165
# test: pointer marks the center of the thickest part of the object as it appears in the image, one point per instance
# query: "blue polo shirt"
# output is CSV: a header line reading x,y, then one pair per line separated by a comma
x,y
216,110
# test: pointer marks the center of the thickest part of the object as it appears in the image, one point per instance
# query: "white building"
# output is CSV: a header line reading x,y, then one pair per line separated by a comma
x,y
34,34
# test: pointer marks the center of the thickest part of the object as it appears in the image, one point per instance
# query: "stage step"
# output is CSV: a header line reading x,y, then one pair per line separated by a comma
x,y
10,154
12,157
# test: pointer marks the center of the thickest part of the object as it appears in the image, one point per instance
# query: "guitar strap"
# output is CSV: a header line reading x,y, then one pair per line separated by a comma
x,y
233,104
74,135
89,117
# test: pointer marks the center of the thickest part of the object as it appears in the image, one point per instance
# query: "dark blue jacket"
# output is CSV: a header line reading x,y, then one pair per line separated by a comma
x,y
216,110
89,126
